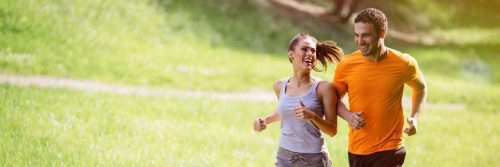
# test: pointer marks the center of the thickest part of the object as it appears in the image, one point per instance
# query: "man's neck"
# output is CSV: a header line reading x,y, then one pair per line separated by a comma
x,y
378,56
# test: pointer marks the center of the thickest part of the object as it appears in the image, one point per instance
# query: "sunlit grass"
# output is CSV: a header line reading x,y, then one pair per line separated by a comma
x,y
454,138
60,127
213,46
463,75
464,36
43,127
153,44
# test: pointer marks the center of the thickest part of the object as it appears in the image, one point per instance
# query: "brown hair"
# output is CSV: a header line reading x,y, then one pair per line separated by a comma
x,y
373,16
326,51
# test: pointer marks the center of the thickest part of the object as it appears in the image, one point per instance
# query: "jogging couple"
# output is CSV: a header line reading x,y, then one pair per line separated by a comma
x,y
373,77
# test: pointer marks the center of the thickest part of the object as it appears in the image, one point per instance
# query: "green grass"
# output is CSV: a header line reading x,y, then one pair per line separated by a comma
x,y
61,127
159,43
43,127
214,46
468,75
454,138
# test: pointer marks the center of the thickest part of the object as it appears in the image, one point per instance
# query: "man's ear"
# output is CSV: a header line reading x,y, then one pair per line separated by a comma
x,y
383,32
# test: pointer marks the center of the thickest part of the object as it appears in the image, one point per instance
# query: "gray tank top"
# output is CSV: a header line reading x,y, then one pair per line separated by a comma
x,y
300,135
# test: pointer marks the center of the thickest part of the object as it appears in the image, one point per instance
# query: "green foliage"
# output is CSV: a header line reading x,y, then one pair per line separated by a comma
x,y
482,13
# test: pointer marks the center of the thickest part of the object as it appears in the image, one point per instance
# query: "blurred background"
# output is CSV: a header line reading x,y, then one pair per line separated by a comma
x,y
179,82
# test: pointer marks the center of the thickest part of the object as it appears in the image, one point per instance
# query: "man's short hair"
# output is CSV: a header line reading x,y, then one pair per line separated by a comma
x,y
374,16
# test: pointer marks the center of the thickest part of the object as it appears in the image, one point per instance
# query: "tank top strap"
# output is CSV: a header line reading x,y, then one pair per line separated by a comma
x,y
314,86
284,82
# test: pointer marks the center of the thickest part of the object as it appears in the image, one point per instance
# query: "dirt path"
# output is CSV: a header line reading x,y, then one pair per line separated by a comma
x,y
51,82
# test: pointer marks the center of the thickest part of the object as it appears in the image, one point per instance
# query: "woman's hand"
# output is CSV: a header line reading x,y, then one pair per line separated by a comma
x,y
259,125
302,112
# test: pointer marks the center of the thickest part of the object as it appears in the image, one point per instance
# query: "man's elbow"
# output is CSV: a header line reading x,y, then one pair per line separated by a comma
x,y
332,133
423,89
420,88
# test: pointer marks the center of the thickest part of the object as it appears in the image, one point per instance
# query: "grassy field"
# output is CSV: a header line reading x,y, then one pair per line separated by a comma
x,y
45,127
220,46
138,43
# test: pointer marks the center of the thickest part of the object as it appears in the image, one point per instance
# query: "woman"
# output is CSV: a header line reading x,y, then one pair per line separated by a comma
x,y
306,105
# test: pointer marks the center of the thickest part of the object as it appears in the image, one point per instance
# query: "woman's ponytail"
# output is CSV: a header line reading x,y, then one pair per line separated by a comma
x,y
327,51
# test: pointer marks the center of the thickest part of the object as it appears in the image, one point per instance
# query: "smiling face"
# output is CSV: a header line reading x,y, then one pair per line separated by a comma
x,y
367,39
303,55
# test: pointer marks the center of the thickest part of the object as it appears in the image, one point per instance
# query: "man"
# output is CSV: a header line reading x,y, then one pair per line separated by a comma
x,y
374,78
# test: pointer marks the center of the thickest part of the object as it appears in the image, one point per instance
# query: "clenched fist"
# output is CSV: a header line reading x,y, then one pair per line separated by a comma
x,y
259,125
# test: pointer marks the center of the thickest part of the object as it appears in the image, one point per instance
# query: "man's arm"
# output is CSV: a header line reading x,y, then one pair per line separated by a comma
x,y
353,118
342,110
419,94
341,89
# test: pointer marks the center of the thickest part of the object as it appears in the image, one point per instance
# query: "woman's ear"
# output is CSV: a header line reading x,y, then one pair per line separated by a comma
x,y
290,55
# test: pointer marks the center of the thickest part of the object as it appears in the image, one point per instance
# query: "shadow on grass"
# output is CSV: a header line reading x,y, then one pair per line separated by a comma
x,y
243,25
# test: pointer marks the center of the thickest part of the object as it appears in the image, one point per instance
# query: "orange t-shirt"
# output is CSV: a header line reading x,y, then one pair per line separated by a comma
x,y
376,88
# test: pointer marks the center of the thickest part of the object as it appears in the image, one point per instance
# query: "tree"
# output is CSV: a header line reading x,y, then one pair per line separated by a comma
x,y
344,9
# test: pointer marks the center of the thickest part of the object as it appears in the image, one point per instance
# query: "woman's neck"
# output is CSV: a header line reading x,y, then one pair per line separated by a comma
x,y
300,79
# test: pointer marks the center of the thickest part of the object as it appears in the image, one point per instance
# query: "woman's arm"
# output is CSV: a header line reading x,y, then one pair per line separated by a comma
x,y
329,97
276,115
326,92
261,123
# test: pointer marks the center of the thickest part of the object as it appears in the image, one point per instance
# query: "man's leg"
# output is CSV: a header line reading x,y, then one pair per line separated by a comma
x,y
389,158
356,160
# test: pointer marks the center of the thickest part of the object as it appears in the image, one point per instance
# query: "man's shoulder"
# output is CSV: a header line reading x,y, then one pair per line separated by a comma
x,y
352,56
404,57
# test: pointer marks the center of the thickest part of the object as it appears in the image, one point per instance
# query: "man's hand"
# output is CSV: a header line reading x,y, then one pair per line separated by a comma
x,y
412,129
259,125
302,112
355,120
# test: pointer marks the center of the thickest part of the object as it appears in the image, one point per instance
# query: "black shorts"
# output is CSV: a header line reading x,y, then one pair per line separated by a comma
x,y
389,158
